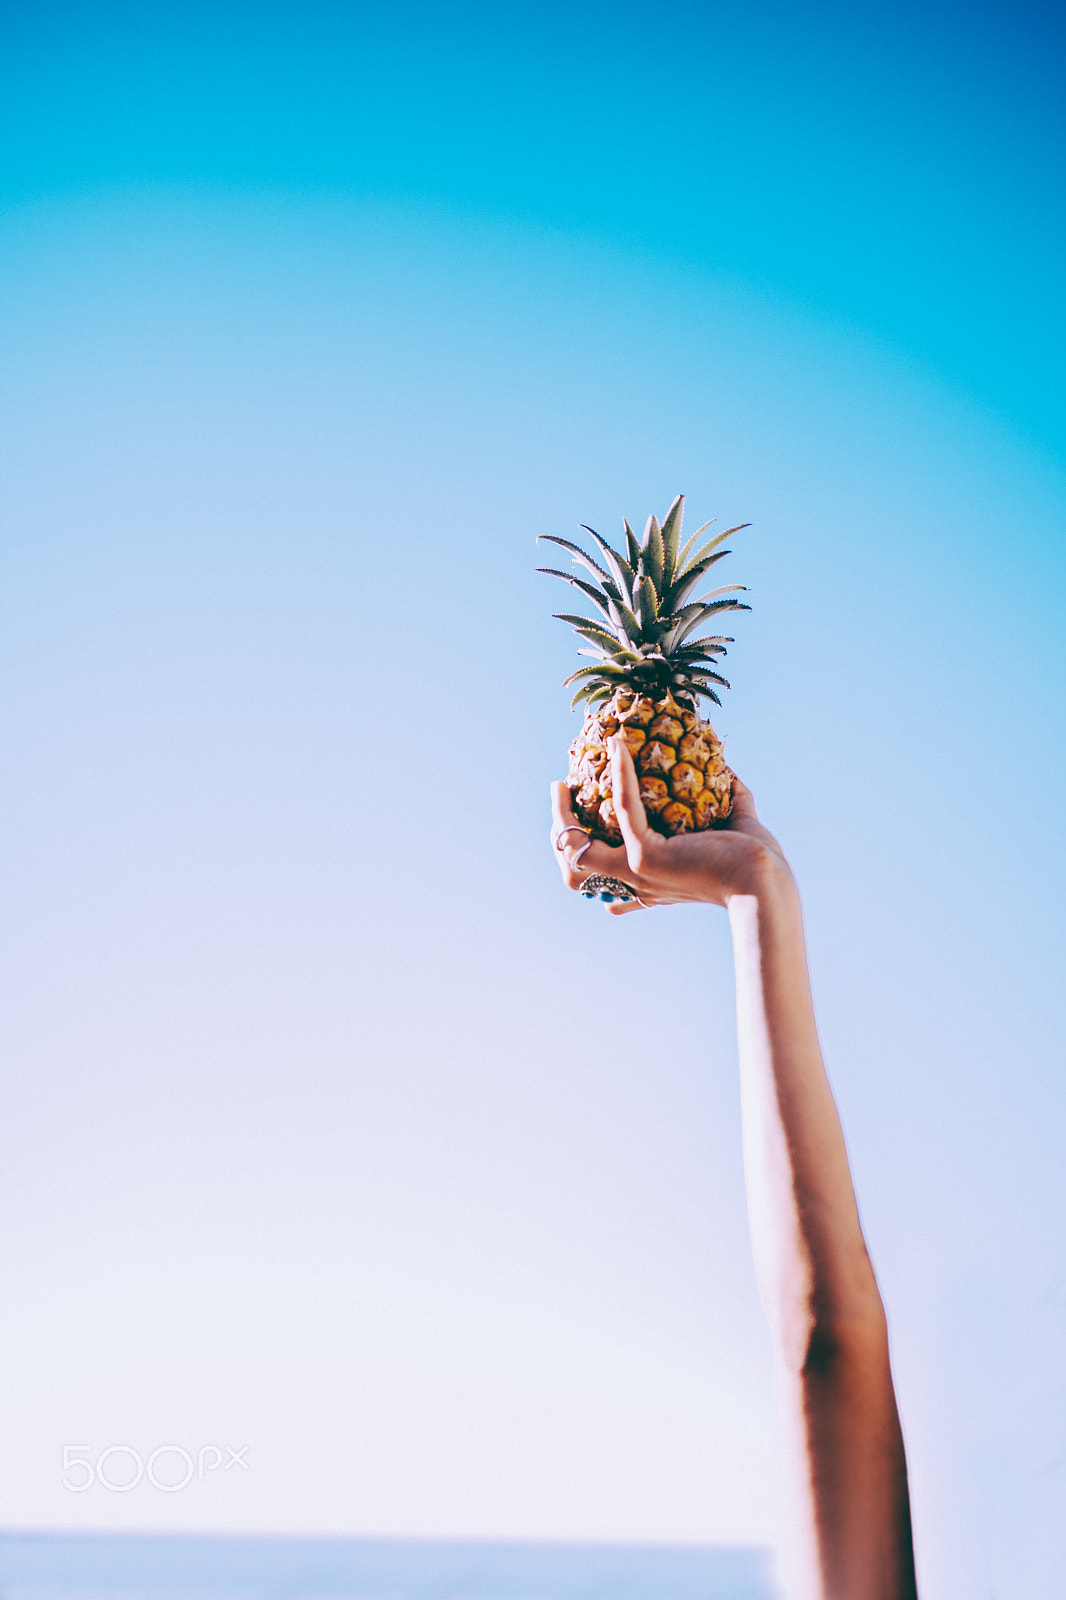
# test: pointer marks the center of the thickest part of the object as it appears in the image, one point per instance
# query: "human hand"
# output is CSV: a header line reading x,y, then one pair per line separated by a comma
x,y
711,866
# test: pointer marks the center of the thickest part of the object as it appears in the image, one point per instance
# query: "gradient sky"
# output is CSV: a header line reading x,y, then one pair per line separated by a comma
x,y
335,1127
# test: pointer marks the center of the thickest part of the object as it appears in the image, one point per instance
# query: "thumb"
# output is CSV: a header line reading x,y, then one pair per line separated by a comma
x,y
743,800
629,807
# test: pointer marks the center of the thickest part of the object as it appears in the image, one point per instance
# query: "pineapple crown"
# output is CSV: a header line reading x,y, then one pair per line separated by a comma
x,y
647,602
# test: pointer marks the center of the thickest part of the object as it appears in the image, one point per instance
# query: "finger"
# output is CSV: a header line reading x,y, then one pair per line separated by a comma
x,y
609,860
594,855
625,791
562,810
568,835
743,800
622,907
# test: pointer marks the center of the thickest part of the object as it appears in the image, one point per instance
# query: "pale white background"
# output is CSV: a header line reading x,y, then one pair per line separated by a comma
x,y
334,1126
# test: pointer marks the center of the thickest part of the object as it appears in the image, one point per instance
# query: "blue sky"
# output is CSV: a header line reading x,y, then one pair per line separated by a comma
x,y
336,1124
895,169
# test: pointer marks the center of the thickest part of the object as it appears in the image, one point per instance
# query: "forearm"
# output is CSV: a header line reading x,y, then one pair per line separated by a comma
x,y
814,1272
852,1535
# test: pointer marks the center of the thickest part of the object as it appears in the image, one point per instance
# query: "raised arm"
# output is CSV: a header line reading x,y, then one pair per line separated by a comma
x,y
818,1286
848,1473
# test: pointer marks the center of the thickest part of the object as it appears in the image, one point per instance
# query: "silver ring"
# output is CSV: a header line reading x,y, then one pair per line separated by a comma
x,y
598,884
574,861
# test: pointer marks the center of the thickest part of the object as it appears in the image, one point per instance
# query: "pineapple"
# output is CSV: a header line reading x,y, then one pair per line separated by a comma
x,y
649,676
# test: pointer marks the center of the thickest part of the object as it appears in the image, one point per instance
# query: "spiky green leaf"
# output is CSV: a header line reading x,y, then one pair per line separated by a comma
x,y
697,658
600,600
679,621
697,613
578,554
702,673
671,531
607,582
624,657
697,675
648,601
591,692
692,576
697,651
625,623
711,607
621,571
601,637
632,545
690,544
713,544
651,553
576,620
615,674
584,624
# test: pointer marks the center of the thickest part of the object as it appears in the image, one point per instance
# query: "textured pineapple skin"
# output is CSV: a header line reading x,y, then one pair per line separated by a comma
x,y
684,781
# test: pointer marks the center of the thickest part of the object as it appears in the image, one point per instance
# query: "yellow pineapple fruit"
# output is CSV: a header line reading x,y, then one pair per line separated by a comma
x,y
649,676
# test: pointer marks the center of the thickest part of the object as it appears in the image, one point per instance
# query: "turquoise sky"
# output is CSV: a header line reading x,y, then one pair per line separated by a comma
x,y
897,170
335,1124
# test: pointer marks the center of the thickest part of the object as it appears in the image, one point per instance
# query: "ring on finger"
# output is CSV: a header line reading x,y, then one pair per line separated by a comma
x,y
606,888
573,861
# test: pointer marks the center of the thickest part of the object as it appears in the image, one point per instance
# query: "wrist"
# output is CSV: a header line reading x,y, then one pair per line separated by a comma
x,y
765,876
